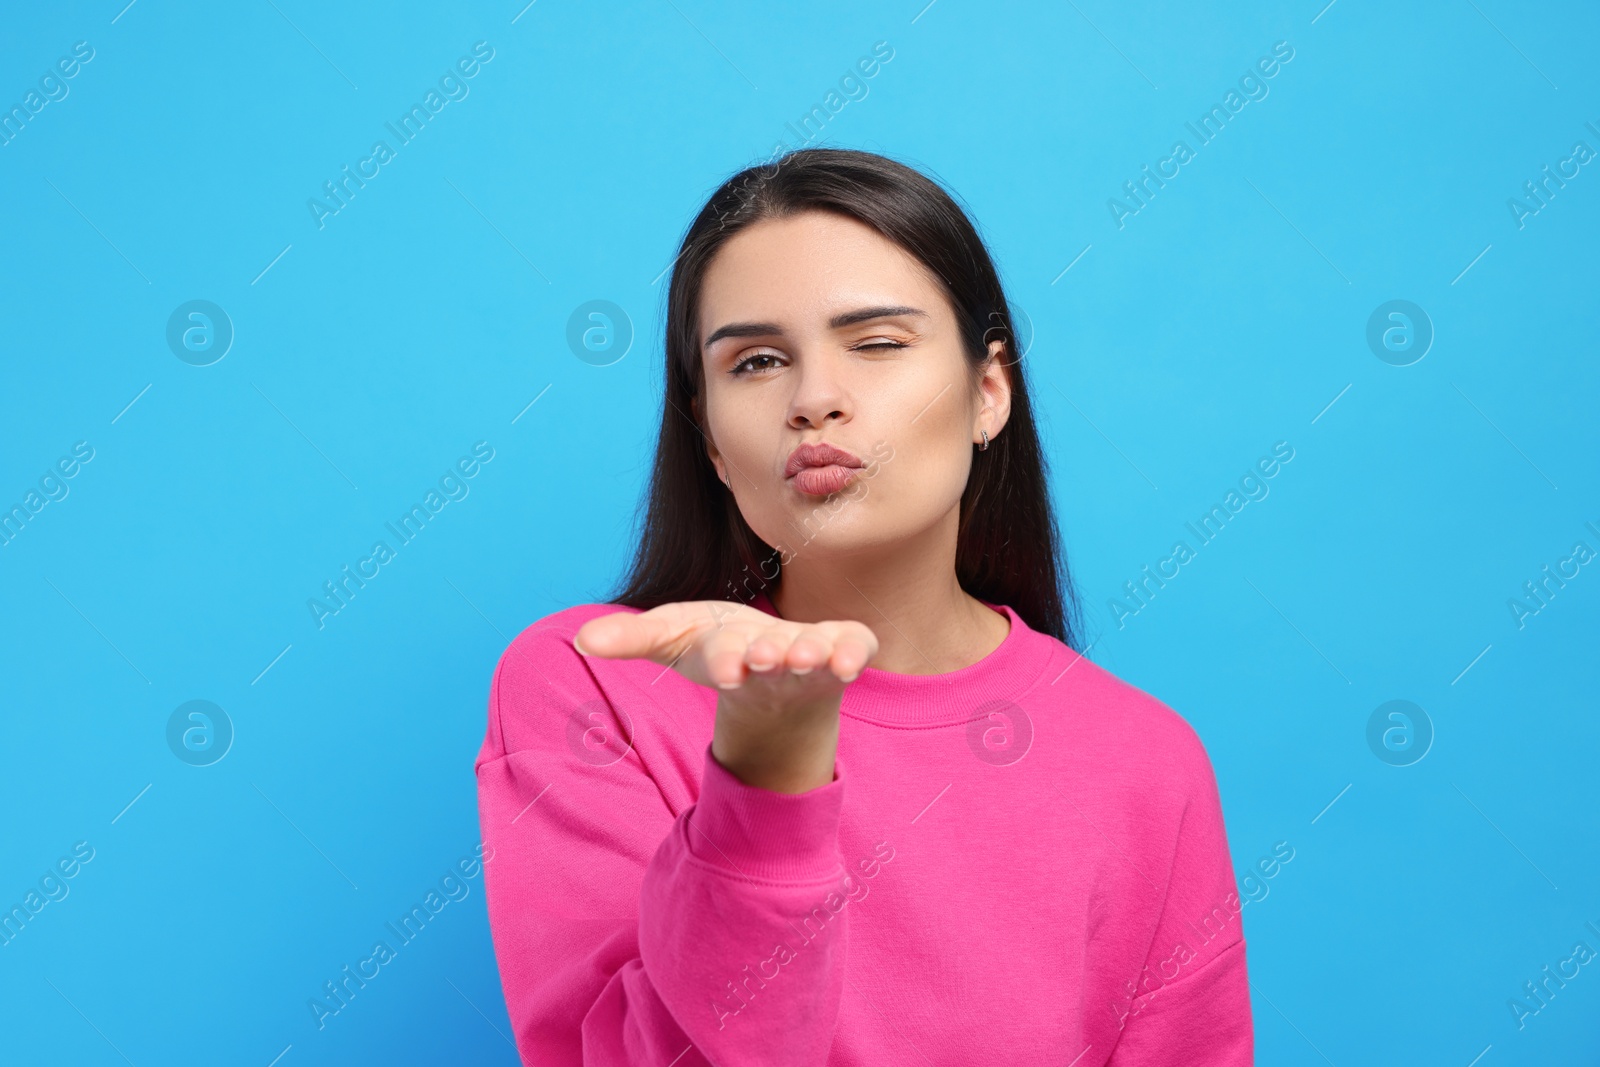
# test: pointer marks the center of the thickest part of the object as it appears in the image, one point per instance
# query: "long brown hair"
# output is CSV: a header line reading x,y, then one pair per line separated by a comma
x,y
695,545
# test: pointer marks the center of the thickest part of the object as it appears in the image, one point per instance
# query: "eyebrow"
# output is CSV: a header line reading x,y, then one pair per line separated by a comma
x,y
847,318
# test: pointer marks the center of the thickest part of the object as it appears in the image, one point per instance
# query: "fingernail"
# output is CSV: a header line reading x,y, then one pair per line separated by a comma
x,y
852,678
727,685
577,646
801,670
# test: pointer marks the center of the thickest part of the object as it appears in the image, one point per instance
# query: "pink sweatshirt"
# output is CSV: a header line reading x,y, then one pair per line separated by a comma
x,y
1021,862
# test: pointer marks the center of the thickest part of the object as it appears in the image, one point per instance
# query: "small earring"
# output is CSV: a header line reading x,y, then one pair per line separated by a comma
x,y
985,446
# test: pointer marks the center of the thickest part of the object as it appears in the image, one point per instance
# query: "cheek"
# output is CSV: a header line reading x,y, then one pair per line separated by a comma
x,y
928,471
749,438
938,448
744,429
938,470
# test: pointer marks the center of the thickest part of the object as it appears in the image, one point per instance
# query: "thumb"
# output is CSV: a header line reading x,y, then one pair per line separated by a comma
x,y
620,635
601,636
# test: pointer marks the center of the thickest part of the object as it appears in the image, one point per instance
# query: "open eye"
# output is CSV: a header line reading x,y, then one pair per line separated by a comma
x,y
738,369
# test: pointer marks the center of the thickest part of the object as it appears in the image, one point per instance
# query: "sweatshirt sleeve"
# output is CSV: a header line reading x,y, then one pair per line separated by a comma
x,y
626,932
1190,1005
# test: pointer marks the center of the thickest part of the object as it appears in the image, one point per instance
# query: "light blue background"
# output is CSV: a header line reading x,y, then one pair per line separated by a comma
x,y
430,312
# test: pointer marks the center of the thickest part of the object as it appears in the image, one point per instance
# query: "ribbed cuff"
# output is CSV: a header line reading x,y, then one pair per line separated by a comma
x,y
756,832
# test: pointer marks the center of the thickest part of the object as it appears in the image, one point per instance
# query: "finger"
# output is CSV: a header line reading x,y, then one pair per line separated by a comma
x,y
809,650
606,635
656,635
768,649
854,645
723,652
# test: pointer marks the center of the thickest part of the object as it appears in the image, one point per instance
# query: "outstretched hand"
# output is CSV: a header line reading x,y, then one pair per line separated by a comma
x,y
779,683
729,646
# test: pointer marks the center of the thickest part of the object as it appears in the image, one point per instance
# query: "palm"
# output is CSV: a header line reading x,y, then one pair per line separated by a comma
x,y
717,642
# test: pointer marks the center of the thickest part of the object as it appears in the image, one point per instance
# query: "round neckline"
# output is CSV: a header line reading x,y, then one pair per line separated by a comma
x,y
923,701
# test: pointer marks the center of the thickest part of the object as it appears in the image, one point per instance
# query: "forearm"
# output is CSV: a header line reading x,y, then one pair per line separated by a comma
x,y
742,930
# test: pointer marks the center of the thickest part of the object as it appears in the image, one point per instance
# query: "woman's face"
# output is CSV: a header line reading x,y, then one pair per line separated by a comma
x,y
816,328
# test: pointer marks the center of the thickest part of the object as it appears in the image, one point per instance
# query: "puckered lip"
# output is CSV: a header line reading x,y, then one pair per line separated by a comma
x,y
818,454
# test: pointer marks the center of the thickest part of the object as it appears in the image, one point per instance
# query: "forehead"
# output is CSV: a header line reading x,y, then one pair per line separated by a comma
x,y
810,265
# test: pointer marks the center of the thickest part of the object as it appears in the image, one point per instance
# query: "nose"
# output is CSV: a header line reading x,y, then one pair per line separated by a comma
x,y
820,394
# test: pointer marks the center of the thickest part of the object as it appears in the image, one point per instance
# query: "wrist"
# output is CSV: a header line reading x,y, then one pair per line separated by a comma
x,y
758,833
789,752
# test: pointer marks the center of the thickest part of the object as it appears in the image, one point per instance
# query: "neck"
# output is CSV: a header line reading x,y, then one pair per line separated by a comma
x,y
908,594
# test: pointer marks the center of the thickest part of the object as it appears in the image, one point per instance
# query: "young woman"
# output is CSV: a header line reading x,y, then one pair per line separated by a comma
x,y
826,782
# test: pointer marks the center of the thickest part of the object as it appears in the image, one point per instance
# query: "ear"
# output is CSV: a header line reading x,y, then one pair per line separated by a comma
x,y
711,449
994,393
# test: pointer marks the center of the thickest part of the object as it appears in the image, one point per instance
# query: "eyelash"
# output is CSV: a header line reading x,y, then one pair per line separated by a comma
x,y
738,372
